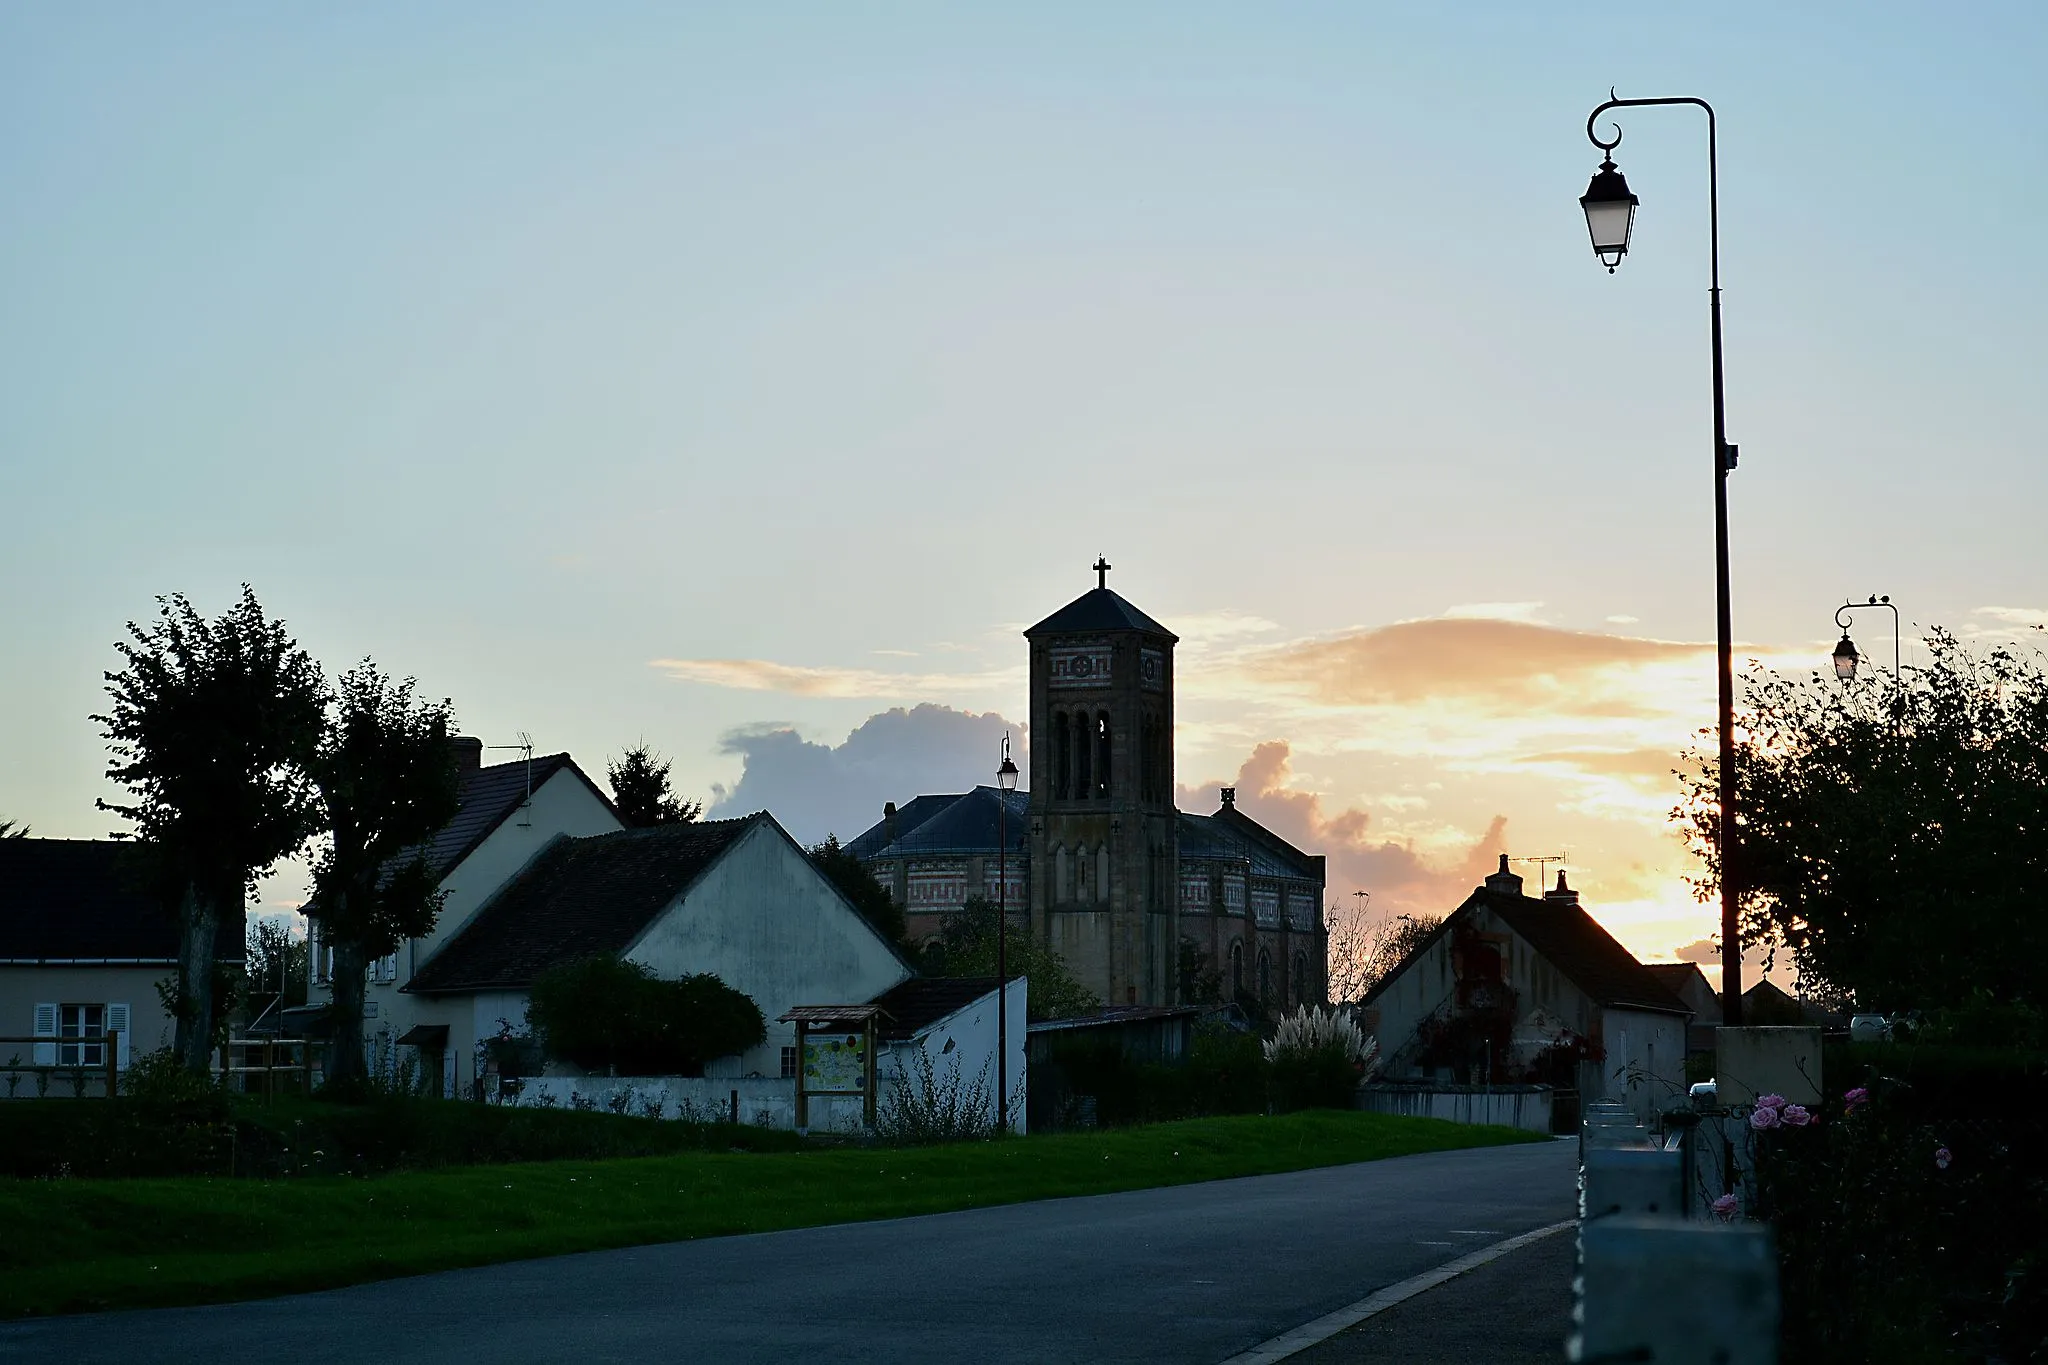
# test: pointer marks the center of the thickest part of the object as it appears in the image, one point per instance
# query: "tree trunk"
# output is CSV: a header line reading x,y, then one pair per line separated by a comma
x,y
198,927
345,1063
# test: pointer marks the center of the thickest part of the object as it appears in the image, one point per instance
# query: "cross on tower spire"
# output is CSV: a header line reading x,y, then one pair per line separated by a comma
x,y
1102,567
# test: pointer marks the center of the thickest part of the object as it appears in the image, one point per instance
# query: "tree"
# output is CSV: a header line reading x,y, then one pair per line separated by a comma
x,y
1362,951
860,886
387,783
1892,834
604,1014
10,830
211,728
276,971
967,947
1201,980
640,790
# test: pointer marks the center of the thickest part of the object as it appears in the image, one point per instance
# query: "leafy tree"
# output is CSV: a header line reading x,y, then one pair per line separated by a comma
x,y
1201,980
605,1014
967,947
640,790
860,886
10,830
276,967
387,783
1893,834
211,728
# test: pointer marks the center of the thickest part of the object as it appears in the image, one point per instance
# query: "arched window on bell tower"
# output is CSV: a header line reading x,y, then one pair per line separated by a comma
x,y
1103,791
1062,757
1084,753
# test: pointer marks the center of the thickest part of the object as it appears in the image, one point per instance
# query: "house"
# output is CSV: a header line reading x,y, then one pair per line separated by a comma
x,y
83,945
1686,981
508,813
1512,988
737,898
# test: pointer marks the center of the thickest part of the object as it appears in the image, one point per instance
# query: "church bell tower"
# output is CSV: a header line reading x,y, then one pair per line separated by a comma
x,y
1104,855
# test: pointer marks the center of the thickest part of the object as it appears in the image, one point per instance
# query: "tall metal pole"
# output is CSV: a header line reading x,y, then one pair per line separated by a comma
x,y
1724,460
1002,957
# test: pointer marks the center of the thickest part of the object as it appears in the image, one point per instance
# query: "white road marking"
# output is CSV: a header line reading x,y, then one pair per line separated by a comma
x,y
1328,1325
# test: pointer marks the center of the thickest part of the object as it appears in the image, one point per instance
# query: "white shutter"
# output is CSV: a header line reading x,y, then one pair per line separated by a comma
x,y
117,1022
46,1027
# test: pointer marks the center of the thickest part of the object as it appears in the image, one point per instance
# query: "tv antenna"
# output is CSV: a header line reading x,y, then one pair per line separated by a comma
x,y
525,746
1543,862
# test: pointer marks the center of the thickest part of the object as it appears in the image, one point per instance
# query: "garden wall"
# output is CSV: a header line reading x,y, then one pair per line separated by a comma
x,y
1511,1106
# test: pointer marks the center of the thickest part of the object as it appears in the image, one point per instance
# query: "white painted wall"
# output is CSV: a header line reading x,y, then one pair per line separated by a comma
x,y
763,1101
1525,1107
771,926
962,1047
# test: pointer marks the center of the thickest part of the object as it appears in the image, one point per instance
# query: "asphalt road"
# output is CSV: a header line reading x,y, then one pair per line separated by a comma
x,y
1190,1274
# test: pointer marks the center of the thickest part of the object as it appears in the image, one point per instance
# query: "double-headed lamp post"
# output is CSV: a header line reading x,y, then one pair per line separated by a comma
x,y
1006,782
1610,217
1845,653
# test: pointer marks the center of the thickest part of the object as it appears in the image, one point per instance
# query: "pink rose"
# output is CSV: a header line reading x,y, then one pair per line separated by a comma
x,y
1770,1101
1855,1097
1941,1158
1725,1207
1761,1118
1795,1115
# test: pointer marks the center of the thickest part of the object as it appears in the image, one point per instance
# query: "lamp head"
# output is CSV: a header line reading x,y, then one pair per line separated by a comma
x,y
1610,214
1006,776
1845,659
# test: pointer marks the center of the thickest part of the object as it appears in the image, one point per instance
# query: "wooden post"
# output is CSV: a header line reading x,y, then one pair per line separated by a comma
x,y
868,1067
803,1103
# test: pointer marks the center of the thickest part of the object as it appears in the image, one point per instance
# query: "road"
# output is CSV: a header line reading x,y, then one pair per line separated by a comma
x,y
1188,1274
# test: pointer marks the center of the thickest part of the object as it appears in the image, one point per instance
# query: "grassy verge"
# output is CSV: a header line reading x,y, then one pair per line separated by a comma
x,y
137,1243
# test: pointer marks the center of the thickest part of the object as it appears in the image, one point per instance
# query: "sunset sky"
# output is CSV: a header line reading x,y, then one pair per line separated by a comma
x,y
744,379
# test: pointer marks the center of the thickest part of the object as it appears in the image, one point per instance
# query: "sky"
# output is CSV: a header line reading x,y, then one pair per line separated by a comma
x,y
743,379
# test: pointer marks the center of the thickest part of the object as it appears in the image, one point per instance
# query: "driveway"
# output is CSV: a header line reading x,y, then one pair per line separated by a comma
x,y
1191,1273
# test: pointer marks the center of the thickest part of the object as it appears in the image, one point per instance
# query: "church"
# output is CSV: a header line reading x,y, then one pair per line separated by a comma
x,y
1096,856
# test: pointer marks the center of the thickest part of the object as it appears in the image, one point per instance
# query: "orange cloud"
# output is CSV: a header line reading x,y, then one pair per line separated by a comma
x,y
1402,880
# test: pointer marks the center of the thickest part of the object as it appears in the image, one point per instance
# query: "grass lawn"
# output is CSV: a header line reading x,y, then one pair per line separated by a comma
x,y
137,1243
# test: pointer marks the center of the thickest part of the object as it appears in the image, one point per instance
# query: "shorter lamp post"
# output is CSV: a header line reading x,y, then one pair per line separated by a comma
x,y
1006,782
1845,655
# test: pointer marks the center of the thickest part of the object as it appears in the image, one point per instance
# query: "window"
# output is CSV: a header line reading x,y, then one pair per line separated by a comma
x,y
788,1062
76,1023
1236,970
1265,975
1301,978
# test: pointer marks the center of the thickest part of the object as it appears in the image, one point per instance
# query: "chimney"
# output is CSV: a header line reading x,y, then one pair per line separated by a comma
x,y
1230,798
888,822
468,753
1563,895
1504,881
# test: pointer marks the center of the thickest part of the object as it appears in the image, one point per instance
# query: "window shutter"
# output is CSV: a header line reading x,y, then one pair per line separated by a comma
x,y
117,1022
46,1027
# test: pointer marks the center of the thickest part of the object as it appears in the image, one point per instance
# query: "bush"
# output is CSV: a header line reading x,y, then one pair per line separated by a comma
x,y
925,1107
1223,1073
606,1015
1318,1059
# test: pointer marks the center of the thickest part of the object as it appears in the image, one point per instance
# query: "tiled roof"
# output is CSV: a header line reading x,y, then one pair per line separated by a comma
x,y
87,899
578,898
1098,609
1573,941
489,795
915,1005
878,836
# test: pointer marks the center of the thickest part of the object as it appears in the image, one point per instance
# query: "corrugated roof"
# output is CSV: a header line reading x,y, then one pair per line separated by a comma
x,y
580,897
1099,609
88,899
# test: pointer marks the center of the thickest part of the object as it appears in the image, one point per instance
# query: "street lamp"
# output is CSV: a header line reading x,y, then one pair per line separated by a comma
x,y
1845,652
1006,782
1610,215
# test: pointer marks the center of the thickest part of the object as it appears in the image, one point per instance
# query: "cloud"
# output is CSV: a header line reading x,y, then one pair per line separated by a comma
x,y
1495,611
1401,879
819,789
1493,664
1641,765
799,680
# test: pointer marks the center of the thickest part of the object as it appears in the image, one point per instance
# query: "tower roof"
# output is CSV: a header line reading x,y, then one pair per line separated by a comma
x,y
1099,609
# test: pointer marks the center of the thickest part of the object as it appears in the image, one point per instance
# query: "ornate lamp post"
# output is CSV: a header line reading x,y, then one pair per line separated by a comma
x,y
1006,782
1845,653
1610,217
